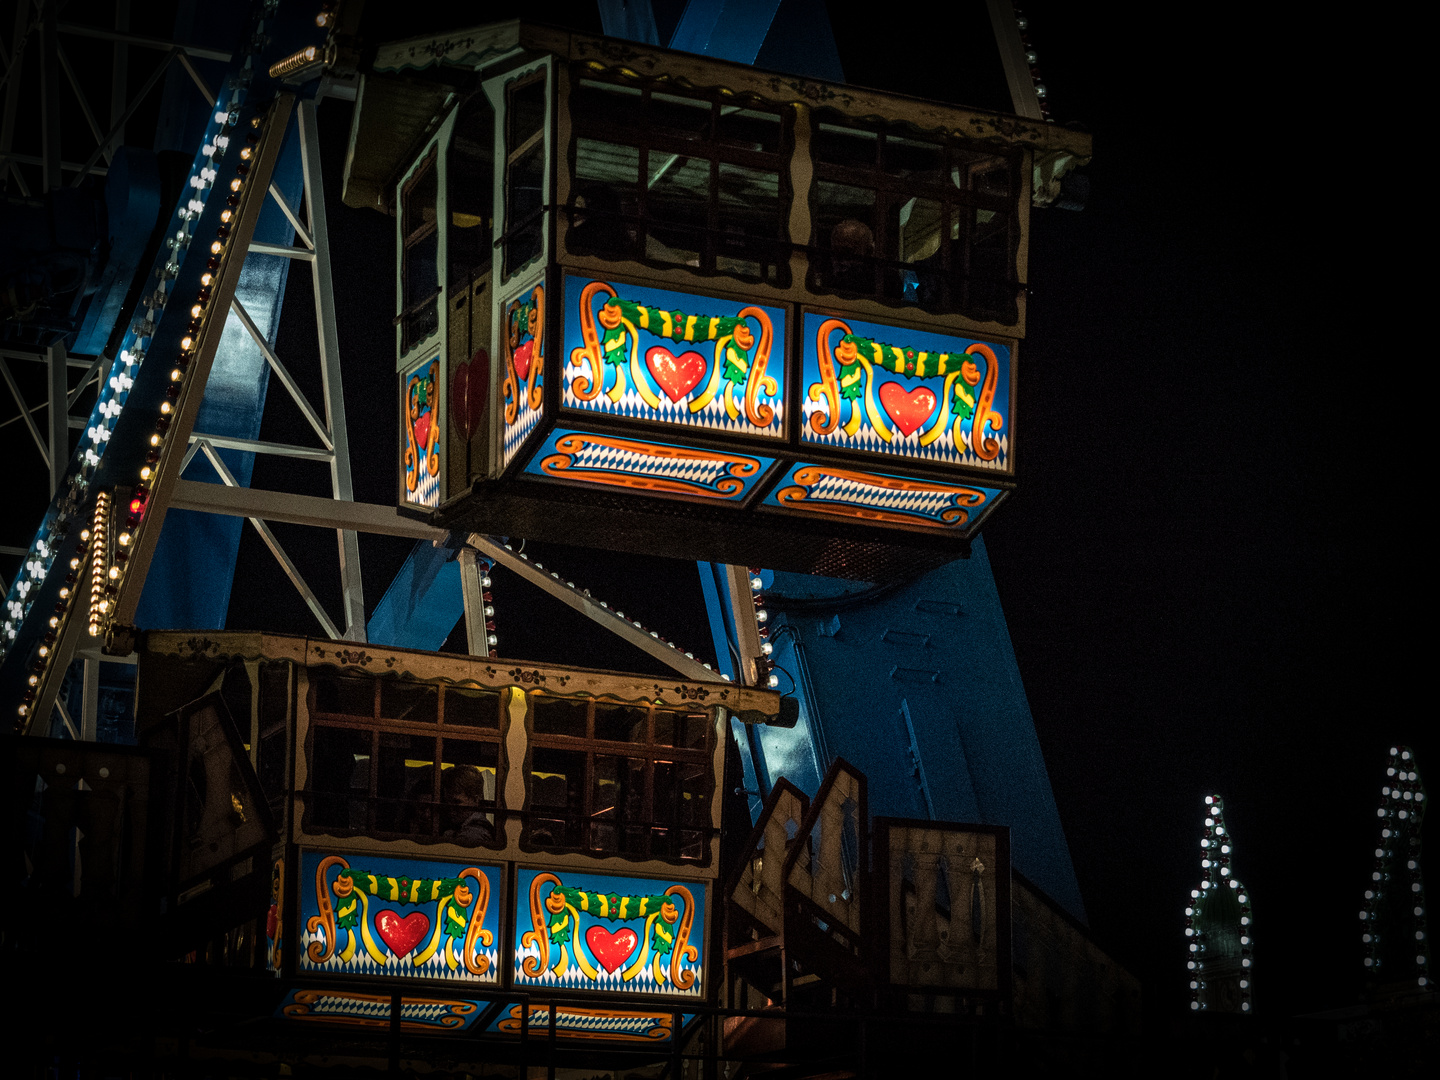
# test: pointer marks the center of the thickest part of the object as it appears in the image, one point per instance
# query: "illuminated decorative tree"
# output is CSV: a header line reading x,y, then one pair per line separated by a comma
x,y
1397,945
1218,927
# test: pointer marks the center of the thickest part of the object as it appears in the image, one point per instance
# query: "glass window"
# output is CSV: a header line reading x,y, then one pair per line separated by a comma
x,y
420,259
524,172
339,778
415,702
679,180
470,172
632,779
345,696
914,221
472,708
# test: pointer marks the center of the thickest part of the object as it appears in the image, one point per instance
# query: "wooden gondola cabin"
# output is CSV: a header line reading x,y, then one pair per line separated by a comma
x,y
660,303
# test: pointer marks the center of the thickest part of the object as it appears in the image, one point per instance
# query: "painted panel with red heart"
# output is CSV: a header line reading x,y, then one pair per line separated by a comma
x,y
467,393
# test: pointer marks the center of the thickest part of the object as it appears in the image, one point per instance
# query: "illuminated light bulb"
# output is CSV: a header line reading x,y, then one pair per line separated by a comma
x,y
74,564
322,20
225,216
34,680
65,593
44,650
156,440
246,154
491,639
114,572
766,648
773,681
236,184
94,629
176,375
196,311
54,622
207,278
84,534
485,582
23,710
186,342
124,537
761,615
165,408
217,246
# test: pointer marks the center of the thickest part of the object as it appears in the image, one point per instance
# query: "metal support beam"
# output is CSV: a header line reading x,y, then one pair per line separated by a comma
x,y
273,543
200,84
12,91
258,446
57,419
143,42
476,633
742,617
50,101
125,116
299,510
119,78
326,327
286,378
300,230
90,699
1012,56
284,252
105,149
25,411
592,609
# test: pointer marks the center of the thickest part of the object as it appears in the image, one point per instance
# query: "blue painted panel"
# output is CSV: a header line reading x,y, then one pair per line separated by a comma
x,y
646,467
890,391
422,605
400,918
614,934
674,357
725,29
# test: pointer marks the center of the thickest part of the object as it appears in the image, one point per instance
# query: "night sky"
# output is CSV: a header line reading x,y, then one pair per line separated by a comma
x,y
1207,565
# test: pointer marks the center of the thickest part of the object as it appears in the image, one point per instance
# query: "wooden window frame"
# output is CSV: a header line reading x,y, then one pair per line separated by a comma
x,y
650,752
890,186
410,305
376,726
656,141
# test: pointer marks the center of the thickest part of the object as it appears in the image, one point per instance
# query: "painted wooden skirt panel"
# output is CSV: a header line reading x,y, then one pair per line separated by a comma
x,y
583,1022
401,918
522,375
880,498
417,1014
675,358
421,438
647,467
892,391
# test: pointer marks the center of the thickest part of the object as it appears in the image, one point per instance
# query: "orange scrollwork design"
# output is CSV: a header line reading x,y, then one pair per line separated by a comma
x,y
325,921
683,951
737,469
534,325
535,966
475,964
757,412
588,387
986,449
829,385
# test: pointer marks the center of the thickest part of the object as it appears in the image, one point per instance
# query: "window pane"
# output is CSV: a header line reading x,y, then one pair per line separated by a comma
x,y
468,776
751,129
921,161
405,784
608,163
525,191
678,203
557,797
681,117
526,114
845,224
618,805
472,708
844,146
621,723
685,730
414,702
557,716
680,793
349,697
339,777
606,103
419,200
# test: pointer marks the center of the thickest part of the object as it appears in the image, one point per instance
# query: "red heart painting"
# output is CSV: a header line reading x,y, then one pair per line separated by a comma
x,y
611,950
422,430
908,410
523,355
677,375
467,393
401,933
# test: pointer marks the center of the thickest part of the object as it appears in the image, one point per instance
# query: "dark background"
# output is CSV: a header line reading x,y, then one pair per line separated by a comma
x,y
1207,566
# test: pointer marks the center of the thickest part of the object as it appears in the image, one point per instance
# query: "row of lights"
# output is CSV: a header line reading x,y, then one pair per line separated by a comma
x,y
586,593
1401,812
1033,61
487,599
764,663
1215,852
199,314
112,399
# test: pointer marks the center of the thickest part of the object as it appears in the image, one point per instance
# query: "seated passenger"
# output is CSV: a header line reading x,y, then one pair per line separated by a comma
x,y
852,251
462,793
